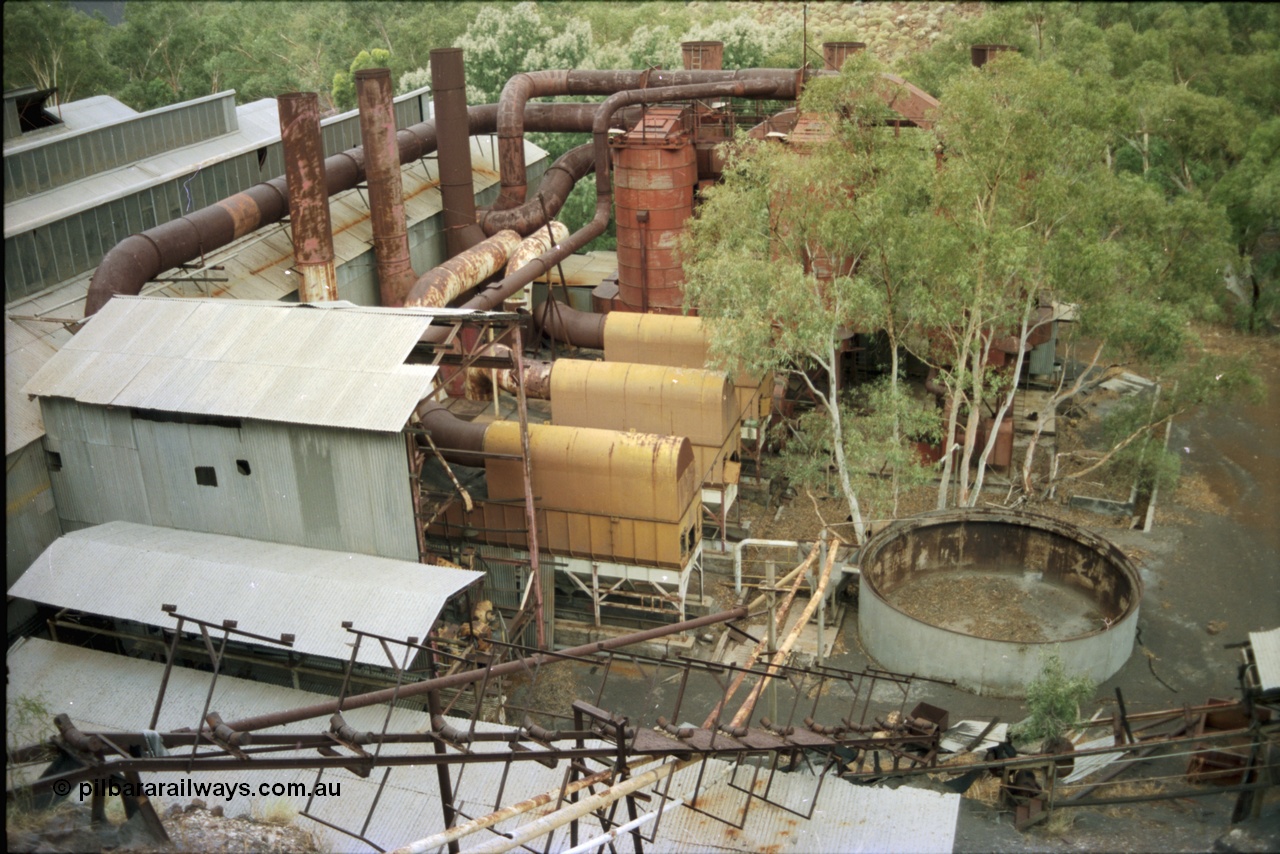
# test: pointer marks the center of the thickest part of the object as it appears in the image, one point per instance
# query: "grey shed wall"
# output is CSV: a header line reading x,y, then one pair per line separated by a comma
x,y
31,522
344,490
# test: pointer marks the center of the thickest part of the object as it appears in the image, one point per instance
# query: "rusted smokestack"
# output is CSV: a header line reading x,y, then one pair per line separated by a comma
x,y
308,195
835,53
453,145
386,188
702,56
981,54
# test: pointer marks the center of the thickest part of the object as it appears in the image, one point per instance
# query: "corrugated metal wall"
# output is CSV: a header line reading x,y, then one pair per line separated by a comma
x,y
344,490
73,156
31,522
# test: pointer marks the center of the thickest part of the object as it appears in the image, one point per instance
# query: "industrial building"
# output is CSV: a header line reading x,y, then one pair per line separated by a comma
x,y
308,416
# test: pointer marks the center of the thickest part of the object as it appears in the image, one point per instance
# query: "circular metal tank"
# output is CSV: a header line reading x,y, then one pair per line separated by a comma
x,y
702,56
1048,558
655,173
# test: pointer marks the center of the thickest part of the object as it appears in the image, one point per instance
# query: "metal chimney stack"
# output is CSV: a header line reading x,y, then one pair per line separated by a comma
x,y
453,146
386,188
308,195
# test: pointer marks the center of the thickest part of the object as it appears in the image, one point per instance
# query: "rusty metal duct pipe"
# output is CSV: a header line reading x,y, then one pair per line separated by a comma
x,y
386,186
139,258
566,324
557,182
311,227
835,53
542,84
702,56
453,145
443,284
769,87
460,442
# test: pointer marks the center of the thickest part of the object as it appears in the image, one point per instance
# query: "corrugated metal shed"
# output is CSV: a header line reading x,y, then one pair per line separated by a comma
x,y
24,354
847,818
1266,652
220,358
104,692
126,570
31,520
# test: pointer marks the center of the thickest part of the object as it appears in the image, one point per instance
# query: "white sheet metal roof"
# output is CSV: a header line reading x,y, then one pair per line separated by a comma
x,y
106,692
127,571
848,818
274,362
1266,652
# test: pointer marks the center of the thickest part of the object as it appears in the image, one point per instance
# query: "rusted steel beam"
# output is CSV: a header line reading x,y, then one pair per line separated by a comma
x,y
386,186
466,677
308,195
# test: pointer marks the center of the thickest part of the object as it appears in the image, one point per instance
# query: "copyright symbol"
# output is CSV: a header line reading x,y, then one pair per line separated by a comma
x,y
62,788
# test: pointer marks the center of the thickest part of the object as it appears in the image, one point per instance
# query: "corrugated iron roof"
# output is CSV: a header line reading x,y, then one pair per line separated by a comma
x,y
127,571
848,818
25,353
106,692
1266,652
274,362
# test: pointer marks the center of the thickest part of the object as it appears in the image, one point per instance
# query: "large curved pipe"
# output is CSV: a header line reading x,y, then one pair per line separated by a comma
x,y
566,324
458,441
540,84
139,258
557,182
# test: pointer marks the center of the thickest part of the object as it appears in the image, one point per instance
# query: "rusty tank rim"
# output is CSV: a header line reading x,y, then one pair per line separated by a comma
x,y
1087,539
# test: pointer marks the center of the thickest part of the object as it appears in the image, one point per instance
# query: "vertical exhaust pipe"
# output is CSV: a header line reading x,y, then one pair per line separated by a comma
x,y
386,188
308,195
453,146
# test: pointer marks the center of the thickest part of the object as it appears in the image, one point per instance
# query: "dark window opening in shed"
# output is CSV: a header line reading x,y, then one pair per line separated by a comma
x,y
242,466
54,460
206,476
185,418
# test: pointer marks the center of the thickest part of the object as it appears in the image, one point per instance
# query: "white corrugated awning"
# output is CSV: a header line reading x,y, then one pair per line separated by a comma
x,y
1266,652
270,361
127,571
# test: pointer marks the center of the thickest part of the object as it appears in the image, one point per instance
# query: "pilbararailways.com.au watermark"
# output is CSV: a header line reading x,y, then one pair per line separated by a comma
x,y
189,788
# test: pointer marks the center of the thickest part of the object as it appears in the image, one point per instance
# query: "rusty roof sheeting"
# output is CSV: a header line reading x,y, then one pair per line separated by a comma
x,y
274,362
126,570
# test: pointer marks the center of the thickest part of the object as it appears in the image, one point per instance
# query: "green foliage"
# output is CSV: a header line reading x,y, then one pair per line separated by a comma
x,y
505,40
28,721
1052,700
344,82
750,43
50,44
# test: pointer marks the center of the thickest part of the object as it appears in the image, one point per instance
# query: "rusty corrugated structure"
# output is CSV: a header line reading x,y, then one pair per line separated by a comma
x,y
981,54
386,189
601,494
835,53
655,173
308,196
691,402
702,55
